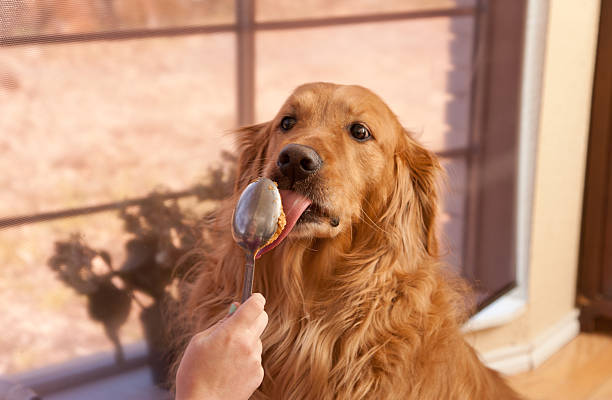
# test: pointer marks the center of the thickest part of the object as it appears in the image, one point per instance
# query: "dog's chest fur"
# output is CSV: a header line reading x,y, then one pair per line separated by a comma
x,y
341,334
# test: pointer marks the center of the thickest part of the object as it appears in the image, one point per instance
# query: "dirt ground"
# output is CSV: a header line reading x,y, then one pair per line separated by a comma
x,y
86,123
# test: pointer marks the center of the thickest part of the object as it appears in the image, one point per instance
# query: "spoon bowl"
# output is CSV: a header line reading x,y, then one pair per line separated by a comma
x,y
254,222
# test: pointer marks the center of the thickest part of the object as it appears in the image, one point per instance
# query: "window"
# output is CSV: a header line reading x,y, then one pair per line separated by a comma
x,y
104,101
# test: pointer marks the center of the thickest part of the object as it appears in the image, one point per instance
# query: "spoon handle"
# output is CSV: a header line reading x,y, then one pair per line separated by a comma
x,y
249,270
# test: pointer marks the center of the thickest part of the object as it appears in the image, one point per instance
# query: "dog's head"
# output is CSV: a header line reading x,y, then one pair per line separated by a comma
x,y
342,159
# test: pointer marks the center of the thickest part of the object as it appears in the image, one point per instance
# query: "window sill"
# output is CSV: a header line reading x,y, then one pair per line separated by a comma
x,y
502,311
46,381
134,384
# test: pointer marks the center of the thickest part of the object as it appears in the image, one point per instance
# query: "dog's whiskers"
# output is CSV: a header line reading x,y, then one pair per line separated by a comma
x,y
306,247
263,160
371,223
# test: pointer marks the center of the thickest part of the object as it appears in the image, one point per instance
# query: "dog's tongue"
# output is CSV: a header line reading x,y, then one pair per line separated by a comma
x,y
294,205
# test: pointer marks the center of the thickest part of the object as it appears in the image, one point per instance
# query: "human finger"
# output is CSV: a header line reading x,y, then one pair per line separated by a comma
x,y
259,325
258,349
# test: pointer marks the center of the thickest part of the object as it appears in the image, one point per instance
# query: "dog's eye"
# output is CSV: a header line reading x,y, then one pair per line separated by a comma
x,y
287,123
359,132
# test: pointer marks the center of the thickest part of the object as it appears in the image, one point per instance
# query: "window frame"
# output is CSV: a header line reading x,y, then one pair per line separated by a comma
x,y
513,304
493,141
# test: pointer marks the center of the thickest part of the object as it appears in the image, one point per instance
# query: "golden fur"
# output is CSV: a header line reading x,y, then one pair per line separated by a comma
x,y
362,310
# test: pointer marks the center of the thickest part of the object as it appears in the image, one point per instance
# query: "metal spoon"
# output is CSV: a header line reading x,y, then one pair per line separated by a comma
x,y
254,222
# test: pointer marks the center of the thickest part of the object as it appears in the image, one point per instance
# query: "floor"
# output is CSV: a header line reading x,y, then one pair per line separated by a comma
x,y
582,370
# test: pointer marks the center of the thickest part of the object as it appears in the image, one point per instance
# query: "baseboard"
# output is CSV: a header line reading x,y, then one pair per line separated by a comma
x,y
520,358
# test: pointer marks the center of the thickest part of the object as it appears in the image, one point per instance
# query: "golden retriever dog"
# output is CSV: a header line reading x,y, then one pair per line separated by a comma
x,y
359,305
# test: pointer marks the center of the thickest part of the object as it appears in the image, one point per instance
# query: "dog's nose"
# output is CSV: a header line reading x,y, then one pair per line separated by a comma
x,y
298,162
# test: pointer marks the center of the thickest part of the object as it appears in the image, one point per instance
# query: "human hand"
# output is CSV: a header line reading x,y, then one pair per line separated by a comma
x,y
224,361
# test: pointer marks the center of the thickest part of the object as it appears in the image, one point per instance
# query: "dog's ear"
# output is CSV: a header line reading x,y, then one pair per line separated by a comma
x,y
252,144
414,200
